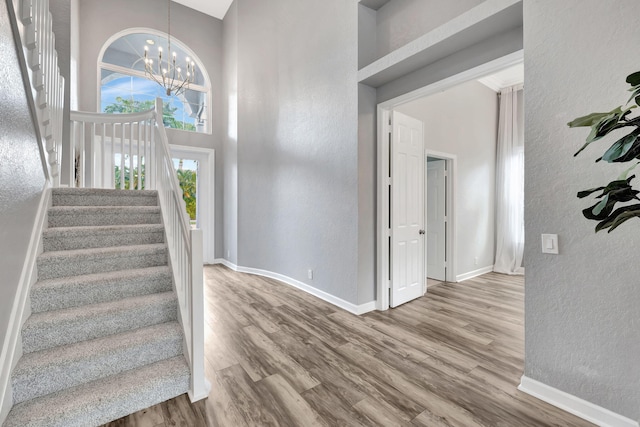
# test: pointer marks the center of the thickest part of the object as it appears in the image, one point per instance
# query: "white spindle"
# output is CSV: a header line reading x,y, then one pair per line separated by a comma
x,y
35,30
103,155
81,169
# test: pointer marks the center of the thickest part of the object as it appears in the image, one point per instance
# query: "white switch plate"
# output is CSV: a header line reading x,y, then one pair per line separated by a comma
x,y
549,243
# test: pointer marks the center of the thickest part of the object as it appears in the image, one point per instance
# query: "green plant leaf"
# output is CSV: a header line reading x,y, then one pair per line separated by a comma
x,y
634,79
599,207
607,123
623,175
613,218
585,193
620,148
591,119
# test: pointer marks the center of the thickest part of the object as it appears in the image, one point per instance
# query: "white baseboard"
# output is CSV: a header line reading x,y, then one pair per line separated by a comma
x,y
338,302
474,273
12,346
574,405
226,263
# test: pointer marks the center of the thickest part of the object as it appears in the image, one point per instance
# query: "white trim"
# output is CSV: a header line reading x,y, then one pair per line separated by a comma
x,y
475,73
338,302
383,114
574,405
475,273
21,309
207,208
226,263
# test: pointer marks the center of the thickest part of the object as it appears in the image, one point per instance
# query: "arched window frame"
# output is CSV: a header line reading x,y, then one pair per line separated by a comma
x,y
206,88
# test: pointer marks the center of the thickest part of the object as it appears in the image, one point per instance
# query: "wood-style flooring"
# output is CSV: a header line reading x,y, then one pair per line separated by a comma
x,y
277,356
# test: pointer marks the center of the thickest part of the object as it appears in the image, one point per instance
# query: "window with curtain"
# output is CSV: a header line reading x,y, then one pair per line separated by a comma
x,y
124,88
510,183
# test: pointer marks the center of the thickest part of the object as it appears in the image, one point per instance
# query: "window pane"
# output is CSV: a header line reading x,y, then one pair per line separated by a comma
x,y
121,93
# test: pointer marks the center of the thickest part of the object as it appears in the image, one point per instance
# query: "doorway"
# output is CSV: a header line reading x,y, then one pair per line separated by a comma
x,y
437,216
198,168
385,257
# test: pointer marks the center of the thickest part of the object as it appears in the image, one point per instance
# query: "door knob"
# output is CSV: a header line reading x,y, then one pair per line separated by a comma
x,y
421,232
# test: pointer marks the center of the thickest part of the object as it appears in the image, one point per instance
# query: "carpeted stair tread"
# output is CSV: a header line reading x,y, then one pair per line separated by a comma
x,y
103,197
61,327
74,216
100,260
104,400
48,371
100,236
74,291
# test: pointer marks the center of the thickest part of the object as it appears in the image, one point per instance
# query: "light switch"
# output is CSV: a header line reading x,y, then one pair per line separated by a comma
x,y
549,243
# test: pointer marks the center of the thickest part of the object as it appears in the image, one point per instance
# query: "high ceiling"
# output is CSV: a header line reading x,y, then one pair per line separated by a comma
x,y
215,8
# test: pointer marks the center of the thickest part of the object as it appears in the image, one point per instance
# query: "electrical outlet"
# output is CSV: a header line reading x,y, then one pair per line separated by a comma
x,y
475,261
310,274
228,254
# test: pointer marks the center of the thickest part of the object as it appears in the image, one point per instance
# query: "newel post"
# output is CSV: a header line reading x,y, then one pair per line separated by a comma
x,y
199,385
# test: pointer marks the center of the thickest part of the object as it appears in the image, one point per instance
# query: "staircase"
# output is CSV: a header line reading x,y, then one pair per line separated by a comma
x,y
103,339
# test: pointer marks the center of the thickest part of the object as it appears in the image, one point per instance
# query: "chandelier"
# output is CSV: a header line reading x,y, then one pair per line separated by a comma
x,y
166,70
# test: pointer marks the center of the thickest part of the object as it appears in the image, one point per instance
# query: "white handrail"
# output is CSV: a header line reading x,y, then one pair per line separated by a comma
x,y
185,252
106,143
35,29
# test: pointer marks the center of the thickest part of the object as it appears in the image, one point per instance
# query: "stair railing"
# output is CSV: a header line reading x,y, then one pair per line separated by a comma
x,y
131,152
35,28
185,250
113,150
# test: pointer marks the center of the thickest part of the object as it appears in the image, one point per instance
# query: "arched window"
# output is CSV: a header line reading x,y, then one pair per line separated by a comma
x,y
124,88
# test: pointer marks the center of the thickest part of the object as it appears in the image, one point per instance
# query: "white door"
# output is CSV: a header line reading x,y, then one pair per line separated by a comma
x,y
407,214
436,219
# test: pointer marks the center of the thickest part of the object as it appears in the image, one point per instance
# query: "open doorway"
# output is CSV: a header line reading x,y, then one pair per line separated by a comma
x,y
195,168
477,256
438,212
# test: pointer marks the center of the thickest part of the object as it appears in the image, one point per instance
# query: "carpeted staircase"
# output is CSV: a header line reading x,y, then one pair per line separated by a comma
x,y
103,339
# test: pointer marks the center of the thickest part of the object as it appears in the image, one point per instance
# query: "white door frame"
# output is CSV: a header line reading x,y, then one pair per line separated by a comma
x,y
383,115
452,220
206,205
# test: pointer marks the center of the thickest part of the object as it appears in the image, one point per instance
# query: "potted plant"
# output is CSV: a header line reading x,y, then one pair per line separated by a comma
x,y
625,149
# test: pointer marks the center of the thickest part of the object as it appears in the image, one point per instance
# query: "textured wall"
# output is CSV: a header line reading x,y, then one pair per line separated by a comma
x,y
402,21
367,149
582,316
297,141
100,20
21,172
367,36
230,138
473,56
474,144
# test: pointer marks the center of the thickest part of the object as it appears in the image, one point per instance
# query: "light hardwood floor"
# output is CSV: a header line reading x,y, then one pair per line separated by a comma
x,y
277,356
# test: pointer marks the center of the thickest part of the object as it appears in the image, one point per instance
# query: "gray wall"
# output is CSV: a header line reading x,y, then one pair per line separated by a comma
x,y
474,144
582,318
21,172
485,51
402,21
367,149
367,37
230,138
99,20
297,141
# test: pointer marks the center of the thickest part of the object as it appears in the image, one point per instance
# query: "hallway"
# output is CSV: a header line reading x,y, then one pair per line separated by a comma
x,y
278,356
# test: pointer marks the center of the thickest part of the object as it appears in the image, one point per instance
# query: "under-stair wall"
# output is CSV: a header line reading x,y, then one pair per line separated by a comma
x,y
22,183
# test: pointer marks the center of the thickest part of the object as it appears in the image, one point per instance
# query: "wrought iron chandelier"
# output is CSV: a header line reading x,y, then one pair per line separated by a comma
x,y
166,71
